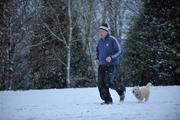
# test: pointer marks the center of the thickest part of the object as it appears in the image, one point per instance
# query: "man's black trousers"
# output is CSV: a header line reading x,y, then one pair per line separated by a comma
x,y
107,78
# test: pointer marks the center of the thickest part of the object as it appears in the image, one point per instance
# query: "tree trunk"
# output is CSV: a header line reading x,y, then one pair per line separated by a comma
x,y
10,70
69,46
68,67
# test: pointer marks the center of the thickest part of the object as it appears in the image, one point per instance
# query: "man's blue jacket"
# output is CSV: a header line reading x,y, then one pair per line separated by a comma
x,y
109,46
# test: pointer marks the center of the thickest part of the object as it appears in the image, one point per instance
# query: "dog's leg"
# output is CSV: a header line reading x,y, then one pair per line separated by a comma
x,y
146,98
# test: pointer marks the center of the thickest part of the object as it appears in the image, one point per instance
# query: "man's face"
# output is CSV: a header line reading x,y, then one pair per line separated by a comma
x,y
102,33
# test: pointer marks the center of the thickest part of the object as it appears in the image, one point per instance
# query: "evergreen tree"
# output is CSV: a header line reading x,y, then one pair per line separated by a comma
x,y
152,48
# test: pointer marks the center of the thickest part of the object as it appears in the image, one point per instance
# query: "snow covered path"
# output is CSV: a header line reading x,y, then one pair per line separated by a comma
x,y
84,104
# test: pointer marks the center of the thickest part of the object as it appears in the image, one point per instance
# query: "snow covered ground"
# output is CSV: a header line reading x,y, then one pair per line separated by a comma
x,y
84,104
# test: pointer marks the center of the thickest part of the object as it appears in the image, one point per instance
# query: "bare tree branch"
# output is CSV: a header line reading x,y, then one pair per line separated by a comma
x,y
53,34
40,43
54,53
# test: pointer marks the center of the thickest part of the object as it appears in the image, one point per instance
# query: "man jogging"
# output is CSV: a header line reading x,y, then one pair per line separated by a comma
x,y
108,52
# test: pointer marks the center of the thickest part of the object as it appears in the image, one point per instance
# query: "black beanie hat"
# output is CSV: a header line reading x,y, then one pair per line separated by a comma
x,y
104,26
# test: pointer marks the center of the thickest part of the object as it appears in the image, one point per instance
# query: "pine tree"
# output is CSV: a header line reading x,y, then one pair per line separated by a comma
x,y
152,48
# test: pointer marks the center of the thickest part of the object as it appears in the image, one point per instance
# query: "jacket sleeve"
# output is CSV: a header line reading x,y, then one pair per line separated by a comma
x,y
117,48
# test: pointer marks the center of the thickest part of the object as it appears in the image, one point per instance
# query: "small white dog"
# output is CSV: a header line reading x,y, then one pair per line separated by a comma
x,y
142,93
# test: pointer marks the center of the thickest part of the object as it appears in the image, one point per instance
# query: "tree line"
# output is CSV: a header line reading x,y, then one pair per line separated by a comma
x,y
51,43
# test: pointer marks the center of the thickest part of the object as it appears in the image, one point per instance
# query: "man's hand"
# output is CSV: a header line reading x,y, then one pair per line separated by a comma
x,y
108,59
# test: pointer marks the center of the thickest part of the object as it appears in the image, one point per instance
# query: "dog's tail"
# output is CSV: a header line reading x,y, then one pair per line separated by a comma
x,y
148,85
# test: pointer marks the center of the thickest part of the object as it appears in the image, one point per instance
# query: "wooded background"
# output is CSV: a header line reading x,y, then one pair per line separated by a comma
x,y
51,43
